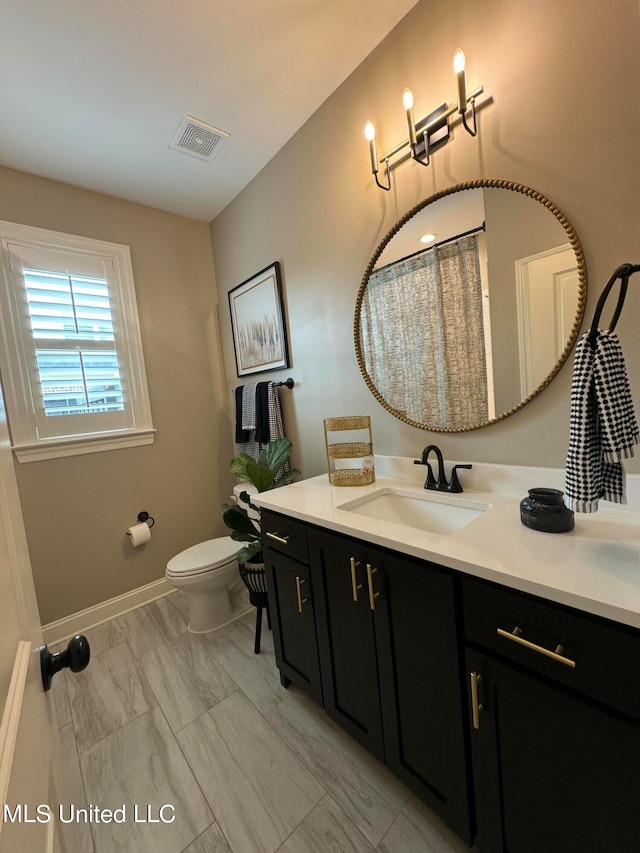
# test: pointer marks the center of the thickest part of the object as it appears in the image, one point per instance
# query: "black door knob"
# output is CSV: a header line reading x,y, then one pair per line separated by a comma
x,y
76,656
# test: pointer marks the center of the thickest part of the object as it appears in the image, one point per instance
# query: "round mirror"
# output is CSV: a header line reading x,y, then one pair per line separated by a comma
x,y
469,306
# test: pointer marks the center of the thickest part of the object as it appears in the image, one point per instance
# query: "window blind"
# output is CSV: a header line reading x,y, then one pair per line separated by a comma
x,y
72,325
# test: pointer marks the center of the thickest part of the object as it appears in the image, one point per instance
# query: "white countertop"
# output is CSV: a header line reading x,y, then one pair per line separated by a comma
x,y
595,567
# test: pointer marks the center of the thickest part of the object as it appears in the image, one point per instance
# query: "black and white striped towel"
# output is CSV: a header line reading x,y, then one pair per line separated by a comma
x,y
268,413
603,427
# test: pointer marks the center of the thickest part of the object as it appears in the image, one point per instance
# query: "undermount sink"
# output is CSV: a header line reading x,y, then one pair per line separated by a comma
x,y
435,513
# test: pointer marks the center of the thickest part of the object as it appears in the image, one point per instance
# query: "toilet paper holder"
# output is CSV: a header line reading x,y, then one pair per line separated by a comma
x,y
144,516
140,533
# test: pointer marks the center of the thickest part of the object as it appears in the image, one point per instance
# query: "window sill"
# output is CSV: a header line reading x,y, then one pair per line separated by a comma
x,y
57,448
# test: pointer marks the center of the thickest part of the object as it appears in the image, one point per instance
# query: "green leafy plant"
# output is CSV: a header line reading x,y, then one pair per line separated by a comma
x,y
266,473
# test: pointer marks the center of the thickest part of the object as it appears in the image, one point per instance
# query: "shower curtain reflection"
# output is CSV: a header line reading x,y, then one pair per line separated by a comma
x,y
422,316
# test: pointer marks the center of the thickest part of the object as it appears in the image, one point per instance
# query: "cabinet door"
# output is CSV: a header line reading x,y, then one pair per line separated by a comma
x,y
420,678
293,621
346,638
552,772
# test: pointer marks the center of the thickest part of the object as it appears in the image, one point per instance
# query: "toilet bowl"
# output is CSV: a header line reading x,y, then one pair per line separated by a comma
x,y
206,572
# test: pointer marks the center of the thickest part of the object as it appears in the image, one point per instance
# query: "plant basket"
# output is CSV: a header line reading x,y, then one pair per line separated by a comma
x,y
254,578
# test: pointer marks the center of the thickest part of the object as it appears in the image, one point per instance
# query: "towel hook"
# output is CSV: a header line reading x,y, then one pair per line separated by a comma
x,y
623,273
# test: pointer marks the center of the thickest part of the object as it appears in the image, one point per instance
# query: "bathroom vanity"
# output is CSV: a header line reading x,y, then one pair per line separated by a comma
x,y
494,669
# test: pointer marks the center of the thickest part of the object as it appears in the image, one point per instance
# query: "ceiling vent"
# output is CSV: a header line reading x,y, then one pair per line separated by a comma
x,y
198,139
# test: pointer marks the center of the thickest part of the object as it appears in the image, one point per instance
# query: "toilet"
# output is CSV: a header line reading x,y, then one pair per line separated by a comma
x,y
206,572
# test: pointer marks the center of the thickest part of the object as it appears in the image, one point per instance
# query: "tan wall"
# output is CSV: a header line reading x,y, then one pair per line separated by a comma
x,y
77,509
563,121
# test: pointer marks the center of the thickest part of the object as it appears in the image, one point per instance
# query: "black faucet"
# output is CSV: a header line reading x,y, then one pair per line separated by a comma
x,y
441,484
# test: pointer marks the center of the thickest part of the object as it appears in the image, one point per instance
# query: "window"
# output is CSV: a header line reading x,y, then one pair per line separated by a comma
x,y
71,354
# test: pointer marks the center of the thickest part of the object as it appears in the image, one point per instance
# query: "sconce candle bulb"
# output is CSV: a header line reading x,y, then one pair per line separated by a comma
x,y
407,103
459,63
370,133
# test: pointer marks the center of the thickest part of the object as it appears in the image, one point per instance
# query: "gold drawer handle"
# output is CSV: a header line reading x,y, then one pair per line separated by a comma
x,y
372,595
355,586
556,655
476,707
301,600
283,540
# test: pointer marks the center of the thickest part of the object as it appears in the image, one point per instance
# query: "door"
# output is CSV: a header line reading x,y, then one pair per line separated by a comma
x,y
547,294
28,746
293,620
420,685
552,772
346,637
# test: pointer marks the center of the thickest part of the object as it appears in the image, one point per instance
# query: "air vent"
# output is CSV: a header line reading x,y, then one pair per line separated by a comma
x,y
198,139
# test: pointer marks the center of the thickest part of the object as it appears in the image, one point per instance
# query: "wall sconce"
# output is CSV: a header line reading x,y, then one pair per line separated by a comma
x,y
430,132
370,133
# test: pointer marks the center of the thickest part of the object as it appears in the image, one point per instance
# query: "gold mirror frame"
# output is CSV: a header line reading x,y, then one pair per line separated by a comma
x,y
582,295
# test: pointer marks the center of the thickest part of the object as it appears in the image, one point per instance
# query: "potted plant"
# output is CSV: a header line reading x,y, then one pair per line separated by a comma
x,y
266,473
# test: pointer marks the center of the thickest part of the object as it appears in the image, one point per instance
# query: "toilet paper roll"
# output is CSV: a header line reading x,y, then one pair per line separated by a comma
x,y
139,533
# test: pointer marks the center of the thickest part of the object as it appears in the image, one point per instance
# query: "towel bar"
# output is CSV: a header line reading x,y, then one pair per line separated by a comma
x,y
623,273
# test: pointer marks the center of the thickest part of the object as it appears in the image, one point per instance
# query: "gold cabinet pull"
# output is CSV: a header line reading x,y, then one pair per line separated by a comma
x,y
555,655
301,600
355,586
476,707
283,540
372,595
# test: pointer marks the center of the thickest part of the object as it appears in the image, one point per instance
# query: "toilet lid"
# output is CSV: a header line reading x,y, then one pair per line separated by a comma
x,y
204,556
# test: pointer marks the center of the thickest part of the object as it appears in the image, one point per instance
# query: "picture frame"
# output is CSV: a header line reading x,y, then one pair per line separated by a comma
x,y
257,323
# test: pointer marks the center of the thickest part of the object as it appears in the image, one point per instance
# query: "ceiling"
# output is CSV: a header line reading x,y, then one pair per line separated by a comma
x,y
92,93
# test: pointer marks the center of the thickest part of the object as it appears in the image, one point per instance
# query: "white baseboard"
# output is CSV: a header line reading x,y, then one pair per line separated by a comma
x,y
76,623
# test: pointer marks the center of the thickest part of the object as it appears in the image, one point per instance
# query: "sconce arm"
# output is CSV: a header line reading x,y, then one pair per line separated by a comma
x,y
471,132
388,176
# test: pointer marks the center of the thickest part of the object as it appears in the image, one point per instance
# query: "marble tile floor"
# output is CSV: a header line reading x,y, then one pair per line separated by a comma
x,y
202,726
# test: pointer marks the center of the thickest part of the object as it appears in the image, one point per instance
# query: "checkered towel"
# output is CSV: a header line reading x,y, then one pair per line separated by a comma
x,y
603,426
249,407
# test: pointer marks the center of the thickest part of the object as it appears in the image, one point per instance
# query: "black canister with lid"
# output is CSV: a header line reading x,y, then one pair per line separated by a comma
x,y
544,510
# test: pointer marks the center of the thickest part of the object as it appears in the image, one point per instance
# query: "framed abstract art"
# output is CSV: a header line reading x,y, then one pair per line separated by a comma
x,y
257,322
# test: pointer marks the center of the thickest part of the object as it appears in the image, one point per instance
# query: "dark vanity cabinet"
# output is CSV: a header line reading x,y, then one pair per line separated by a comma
x,y
291,602
515,719
555,747
391,667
